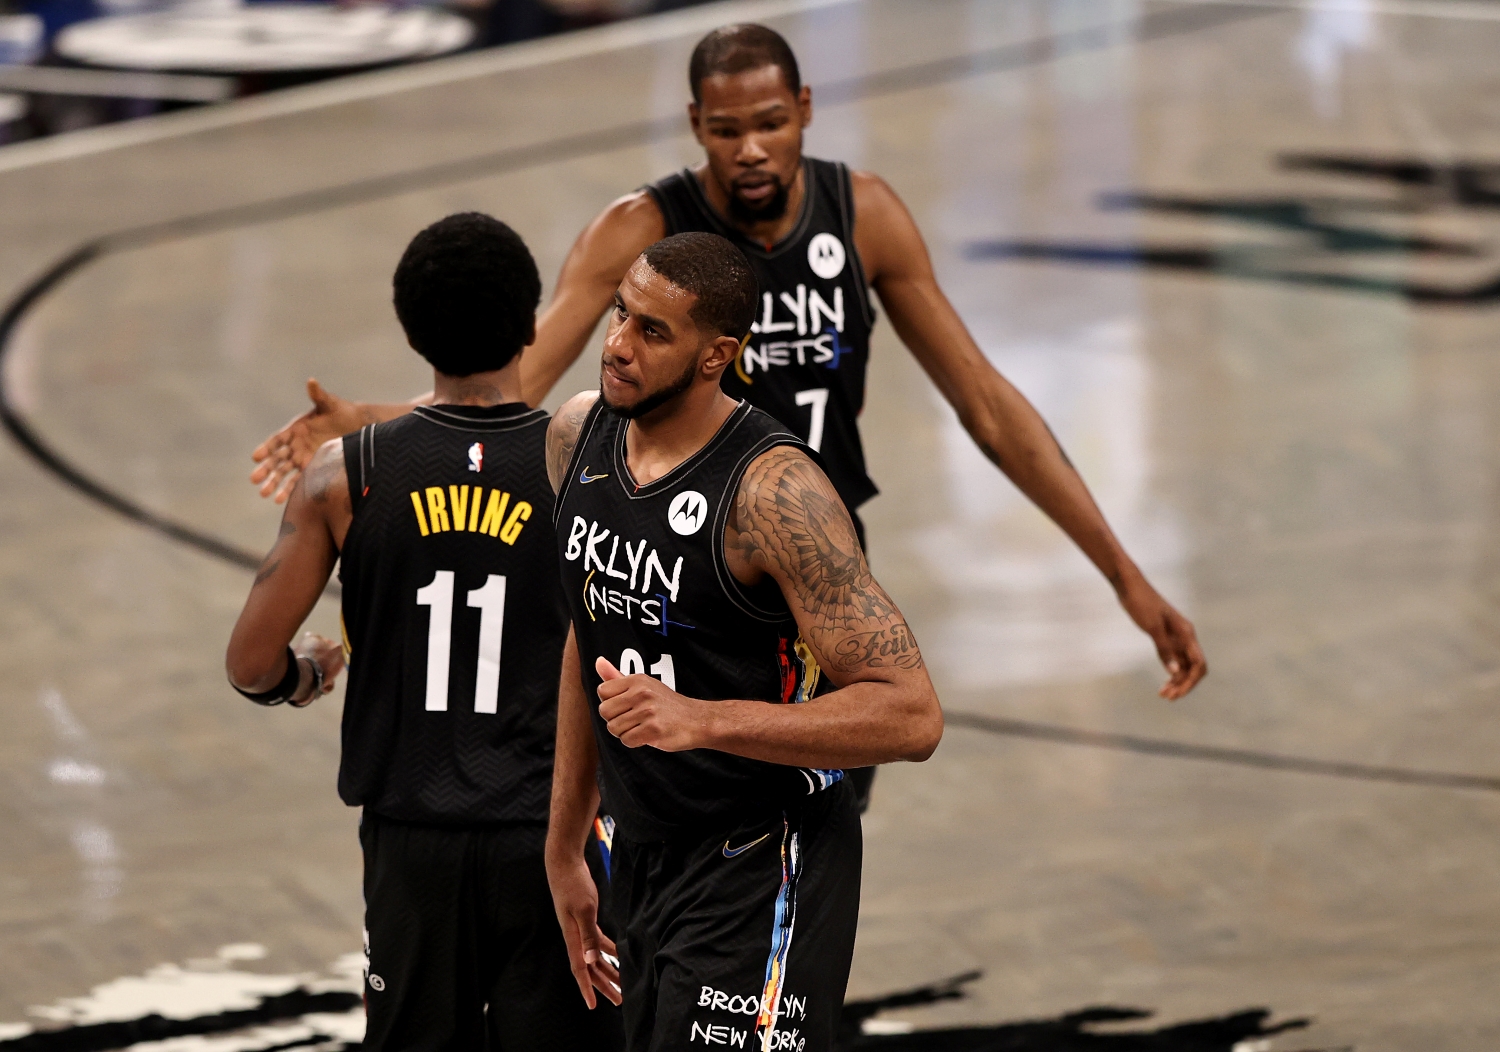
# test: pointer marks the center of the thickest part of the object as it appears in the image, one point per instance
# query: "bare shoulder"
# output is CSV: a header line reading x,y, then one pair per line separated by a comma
x,y
563,432
872,195
325,475
884,231
627,226
792,524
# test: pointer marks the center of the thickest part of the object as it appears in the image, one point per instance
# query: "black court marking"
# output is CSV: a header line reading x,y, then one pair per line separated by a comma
x,y
636,133
1422,187
1072,1032
101,1037
1214,754
1065,1033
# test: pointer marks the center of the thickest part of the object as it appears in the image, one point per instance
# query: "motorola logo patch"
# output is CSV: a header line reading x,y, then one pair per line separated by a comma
x,y
825,255
687,513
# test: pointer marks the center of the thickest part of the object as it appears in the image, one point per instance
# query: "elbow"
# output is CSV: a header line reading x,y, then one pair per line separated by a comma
x,y
926,732
252,671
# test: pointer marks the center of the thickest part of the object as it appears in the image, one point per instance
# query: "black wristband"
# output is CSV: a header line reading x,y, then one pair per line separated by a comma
x,y
284,690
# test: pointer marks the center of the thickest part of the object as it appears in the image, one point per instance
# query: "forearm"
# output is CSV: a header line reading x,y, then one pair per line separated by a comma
x,y
1009,430
562,331
575,792
1003,423
859,725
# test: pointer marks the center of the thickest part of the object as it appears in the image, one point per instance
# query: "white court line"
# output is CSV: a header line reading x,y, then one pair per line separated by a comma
x,y
579,44
1469,10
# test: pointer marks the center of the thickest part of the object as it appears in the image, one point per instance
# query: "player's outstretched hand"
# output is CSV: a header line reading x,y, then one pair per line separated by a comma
x,y
1176,641
283,455
642,710
590,951
329,656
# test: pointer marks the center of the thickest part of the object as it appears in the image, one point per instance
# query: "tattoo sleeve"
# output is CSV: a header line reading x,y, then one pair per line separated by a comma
x,y
792,524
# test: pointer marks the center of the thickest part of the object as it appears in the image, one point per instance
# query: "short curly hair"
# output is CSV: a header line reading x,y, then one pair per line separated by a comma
x,y
739,48
466,292
716,272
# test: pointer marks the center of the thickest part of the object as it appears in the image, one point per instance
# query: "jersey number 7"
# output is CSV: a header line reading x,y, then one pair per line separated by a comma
x,y
491,602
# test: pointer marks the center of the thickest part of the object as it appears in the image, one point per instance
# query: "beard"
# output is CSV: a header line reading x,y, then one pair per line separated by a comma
x,y
654,400
768,212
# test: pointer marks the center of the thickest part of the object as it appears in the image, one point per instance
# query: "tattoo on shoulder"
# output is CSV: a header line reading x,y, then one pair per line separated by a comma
x,y
790,517
562,437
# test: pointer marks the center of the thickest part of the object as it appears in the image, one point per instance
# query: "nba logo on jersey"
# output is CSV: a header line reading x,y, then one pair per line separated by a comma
x,y
476,457
825,255
687,512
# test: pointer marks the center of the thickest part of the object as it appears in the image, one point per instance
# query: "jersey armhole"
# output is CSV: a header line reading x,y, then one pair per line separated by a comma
x,y
846,216
359,456
663,193
586,430
737,592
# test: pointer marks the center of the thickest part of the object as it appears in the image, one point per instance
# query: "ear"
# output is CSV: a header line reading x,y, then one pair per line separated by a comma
x,y
721,355
804,103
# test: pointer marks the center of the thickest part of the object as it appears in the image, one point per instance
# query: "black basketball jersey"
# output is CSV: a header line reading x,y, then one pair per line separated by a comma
x,y
809,348
644,572
453,619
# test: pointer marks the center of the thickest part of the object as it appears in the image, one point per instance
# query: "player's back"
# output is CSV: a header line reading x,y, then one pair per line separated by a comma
x,y
453,617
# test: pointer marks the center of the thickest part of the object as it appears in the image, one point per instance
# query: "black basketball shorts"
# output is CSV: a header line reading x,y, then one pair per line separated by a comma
x,y
741,940
463,945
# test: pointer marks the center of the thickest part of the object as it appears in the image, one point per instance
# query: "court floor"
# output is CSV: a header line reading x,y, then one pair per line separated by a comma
x,y
1243,256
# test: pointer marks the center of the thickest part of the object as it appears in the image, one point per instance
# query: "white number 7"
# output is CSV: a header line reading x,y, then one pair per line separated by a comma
x,y
818,399
490,600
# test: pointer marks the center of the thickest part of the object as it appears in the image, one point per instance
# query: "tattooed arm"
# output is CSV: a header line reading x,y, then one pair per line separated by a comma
x,y
292,578
562,435
789,524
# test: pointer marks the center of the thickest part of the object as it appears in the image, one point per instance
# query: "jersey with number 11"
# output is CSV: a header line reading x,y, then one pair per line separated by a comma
x,y
453,619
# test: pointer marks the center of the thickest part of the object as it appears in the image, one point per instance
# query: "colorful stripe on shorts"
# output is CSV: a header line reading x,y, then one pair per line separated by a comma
x,y
781,937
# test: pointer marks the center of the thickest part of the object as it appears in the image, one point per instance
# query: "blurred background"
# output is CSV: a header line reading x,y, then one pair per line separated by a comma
x,y
70,64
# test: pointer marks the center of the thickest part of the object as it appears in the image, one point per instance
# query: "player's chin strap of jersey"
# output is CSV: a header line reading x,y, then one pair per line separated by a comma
x,y
284,690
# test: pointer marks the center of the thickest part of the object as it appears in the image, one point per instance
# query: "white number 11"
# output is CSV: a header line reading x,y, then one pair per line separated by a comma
x,y
490,601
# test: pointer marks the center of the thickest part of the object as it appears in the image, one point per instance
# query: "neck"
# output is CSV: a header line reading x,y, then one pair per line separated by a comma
x,y
665,437
492,388
766,232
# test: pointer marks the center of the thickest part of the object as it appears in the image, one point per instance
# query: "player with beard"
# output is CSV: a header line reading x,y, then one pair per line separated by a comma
x,y
731,655
455,623
819,237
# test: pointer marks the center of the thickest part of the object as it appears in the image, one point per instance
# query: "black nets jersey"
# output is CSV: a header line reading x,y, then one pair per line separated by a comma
x,y
809,348
644,572
453,618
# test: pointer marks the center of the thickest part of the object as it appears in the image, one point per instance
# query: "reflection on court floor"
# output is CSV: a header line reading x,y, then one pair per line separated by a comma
x,y
1240,254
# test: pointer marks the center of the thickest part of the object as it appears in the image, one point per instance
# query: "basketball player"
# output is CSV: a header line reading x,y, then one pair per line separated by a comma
x,y
455,623
819,238
730,655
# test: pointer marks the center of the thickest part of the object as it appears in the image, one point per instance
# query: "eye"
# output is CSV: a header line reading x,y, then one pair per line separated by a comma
x,y
620,311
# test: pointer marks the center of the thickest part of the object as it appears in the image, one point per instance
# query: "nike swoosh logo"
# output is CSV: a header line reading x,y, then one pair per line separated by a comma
x,y
730,852
585,478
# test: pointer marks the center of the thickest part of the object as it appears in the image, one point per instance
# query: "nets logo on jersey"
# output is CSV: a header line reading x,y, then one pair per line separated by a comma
x,y
826,256
476,457
687,513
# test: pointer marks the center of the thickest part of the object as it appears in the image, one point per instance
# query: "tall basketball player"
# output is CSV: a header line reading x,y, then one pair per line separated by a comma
x,y
730,656
819,237
454,622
